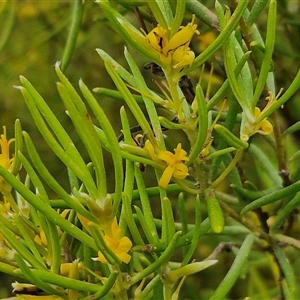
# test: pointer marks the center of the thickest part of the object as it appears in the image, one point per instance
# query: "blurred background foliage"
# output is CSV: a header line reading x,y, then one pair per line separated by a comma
x,y
33,36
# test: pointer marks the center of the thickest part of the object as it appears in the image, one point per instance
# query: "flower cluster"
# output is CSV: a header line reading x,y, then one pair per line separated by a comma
x,y
173,162
174,51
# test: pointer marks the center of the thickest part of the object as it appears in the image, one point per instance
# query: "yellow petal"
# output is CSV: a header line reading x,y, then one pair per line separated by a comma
x,y
181,171
183,57
166,156
182,37
166,177
157,38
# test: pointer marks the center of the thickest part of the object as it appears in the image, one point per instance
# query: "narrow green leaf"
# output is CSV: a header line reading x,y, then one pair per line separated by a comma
x,y
141,85
46,210
116,94
45,174
35,279
197,232
269,48
235,81
20,248
161,11
179,14
202,125
164,258
256,10
263,158
67,283
55,245
168,223
128,215
28,238
77,14
120,70
68,153
287,271
111,138
292,89
273,197
133,106
223,36
202,13
150,233
285,211
236,269
130,34
221,93
6,29
230,138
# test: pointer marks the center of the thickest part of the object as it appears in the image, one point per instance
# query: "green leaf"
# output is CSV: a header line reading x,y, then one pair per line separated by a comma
x,y
273,197
236,269
77,14
128,32
230,138
269,48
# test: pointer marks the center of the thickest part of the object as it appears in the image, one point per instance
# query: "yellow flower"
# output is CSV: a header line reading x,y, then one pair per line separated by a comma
x,y
5,160
175,167
175,51
264,127
119,245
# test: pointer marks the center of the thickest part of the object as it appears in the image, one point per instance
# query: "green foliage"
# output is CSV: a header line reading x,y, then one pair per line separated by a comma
x,y
200,167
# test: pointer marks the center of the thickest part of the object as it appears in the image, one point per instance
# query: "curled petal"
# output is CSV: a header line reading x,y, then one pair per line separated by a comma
x,y
265,127
181,171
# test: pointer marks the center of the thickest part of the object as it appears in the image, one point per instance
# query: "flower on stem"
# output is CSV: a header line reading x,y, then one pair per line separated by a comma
x,y
118,244
263,127
175,51
175,167
173,162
